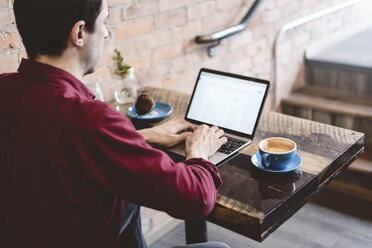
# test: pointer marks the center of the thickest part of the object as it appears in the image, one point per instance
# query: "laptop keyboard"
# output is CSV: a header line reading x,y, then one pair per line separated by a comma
x,y
231,145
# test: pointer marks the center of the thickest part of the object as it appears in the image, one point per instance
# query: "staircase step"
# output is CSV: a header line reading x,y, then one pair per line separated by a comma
x,y
331,94
318,103
334,112
355,181
345,66
362,166
341,78
359,174
355,51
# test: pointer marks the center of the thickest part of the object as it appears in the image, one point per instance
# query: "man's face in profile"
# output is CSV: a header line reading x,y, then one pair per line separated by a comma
x,y
95,41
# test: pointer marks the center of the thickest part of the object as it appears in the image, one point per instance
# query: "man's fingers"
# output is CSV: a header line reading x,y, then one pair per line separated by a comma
x,y
182,136
182,127
220,133
203,126
214,128
181,124
223,140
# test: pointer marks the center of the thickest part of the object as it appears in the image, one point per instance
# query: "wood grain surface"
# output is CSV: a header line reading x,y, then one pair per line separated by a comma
x,y
254,203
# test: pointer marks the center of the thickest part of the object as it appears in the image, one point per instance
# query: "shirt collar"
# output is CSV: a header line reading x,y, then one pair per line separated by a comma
x,y
51,73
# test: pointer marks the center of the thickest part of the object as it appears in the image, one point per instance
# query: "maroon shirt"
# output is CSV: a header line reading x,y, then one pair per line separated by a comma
x,y
67,162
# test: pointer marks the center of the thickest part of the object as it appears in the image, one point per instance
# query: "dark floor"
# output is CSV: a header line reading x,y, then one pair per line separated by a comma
x,y
330,220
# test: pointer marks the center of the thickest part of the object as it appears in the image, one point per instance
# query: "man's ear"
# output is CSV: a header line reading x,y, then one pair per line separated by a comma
x,y
77,34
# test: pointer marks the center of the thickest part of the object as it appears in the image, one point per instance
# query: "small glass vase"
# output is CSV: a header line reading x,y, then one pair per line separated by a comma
x,y
126,88
96,90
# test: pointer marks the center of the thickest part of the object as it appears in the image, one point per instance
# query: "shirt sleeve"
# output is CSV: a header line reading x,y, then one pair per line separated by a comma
x,y
119,159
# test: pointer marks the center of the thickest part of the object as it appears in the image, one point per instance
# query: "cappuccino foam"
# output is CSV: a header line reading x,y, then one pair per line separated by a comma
x,y
278,146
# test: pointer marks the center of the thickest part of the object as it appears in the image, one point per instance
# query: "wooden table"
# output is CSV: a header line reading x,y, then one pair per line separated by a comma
x,y
255,203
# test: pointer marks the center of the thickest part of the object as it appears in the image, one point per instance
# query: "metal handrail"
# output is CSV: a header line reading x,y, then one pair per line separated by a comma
x,y
215,38
295,24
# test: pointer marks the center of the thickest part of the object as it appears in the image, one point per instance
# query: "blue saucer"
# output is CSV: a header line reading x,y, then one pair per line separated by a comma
x,y
293,165
160,111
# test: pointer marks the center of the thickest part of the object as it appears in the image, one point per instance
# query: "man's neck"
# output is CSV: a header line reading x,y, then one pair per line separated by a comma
x,y
64,62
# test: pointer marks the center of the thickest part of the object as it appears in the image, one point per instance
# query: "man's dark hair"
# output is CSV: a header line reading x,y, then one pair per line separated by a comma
x,y
45,25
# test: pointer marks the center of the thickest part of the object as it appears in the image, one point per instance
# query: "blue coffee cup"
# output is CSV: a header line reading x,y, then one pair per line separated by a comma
x,y
277,152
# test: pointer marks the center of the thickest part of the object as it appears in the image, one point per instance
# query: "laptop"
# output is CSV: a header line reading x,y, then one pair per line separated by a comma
x,y
230,101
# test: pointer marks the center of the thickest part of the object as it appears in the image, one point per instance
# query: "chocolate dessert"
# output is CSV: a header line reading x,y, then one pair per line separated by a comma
x,y
144,104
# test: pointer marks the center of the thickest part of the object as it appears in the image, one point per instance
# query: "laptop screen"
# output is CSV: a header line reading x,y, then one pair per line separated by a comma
x,y
232,102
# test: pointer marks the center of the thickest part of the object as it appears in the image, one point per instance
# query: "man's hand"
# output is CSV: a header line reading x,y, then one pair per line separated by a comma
x,y
166,134
204,142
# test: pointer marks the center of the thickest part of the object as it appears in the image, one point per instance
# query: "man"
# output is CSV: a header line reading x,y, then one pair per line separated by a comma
x,y
73,170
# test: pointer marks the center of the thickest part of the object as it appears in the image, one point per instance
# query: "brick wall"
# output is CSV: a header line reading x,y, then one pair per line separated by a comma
x,y
156,38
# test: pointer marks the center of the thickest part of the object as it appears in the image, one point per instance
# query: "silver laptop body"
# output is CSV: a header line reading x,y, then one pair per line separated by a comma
x,y
229,101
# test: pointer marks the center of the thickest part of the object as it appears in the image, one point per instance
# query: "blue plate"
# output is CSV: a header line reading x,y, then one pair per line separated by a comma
x,y
160,111
293,165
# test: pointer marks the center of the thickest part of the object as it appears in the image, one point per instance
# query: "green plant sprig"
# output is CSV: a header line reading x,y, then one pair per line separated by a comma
x,y
121,68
